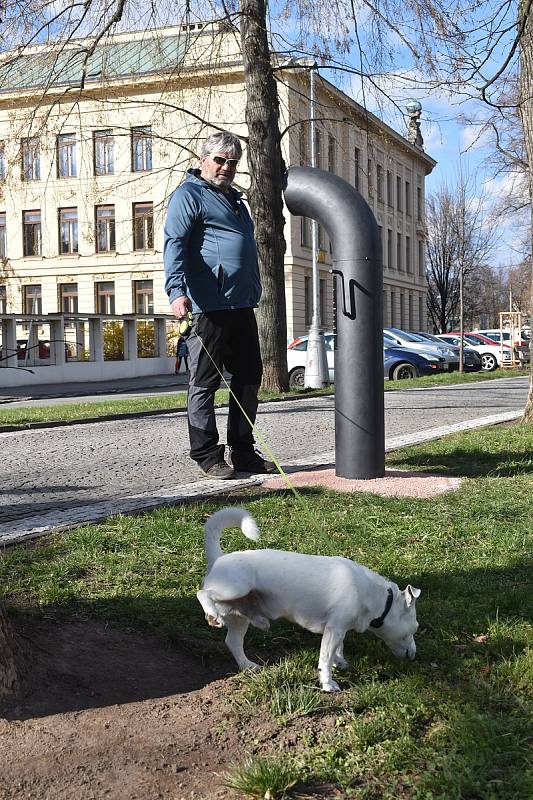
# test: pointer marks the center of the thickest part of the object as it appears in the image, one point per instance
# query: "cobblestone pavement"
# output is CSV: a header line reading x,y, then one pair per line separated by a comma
x,y
59,476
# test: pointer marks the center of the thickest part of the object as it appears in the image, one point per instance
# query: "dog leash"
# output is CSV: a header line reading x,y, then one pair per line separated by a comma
x,y
185,327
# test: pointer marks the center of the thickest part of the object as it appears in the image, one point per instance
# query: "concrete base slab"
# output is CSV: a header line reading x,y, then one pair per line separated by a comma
x,y
395,483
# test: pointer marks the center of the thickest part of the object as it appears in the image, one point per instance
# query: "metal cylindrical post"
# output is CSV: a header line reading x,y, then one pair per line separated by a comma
x,y
358,272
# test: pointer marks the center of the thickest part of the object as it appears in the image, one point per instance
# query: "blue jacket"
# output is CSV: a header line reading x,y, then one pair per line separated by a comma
x,y
210,252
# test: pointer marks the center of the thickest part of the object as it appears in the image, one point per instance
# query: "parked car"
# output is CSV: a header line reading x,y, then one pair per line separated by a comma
x,y
520,344
488,350
42,350
521,338
471,359
398,362
396,337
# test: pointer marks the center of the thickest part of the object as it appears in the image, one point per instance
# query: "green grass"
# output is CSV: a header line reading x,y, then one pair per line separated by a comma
x,y
455,724
73,412
270,778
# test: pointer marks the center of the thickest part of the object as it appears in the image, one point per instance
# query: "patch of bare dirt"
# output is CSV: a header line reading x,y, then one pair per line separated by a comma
x,y
121,715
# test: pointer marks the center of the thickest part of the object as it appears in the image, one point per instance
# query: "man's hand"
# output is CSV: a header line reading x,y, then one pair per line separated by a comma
x,y
180,306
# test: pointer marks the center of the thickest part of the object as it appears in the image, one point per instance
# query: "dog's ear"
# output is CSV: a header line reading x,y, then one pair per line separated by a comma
x,y
411,594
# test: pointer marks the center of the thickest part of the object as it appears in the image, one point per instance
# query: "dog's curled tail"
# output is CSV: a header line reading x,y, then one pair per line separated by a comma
x,y
226,518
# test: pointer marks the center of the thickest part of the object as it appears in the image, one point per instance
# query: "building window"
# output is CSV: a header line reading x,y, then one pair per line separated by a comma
x,y
66,156
402,311
398,193
393,309
418,204
420,257
105,297
421,317
357,163
303,144
408,254
141,149
411,319
3,299
399,264
32,301
408,198
389,248
143,226
2,162
68,298
3,235
379,182
143,297
370,181
305,231
68,230
105,229
31,160
390,202
318,148
104,153
31,225
332,154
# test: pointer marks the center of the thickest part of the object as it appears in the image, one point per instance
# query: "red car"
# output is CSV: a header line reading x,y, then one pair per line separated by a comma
x,y
23,352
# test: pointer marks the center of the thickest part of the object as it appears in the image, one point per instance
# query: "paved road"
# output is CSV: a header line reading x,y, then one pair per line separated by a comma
x,y
55,471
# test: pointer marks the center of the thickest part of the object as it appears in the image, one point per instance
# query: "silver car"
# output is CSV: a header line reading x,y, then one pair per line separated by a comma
x,y
471,359
394,337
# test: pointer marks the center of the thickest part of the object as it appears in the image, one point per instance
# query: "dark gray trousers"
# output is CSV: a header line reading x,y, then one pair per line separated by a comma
x,y
222,340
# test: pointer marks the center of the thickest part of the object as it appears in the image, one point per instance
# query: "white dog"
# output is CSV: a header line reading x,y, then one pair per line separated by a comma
x,y
327,595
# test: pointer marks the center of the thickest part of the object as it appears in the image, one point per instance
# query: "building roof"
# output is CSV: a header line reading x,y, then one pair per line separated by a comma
x,y
44,66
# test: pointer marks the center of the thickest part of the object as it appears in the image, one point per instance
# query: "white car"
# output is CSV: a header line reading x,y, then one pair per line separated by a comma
x,y
490,353
521,343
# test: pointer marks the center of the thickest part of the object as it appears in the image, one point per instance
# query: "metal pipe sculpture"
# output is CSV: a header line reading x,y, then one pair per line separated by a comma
x,y
358,271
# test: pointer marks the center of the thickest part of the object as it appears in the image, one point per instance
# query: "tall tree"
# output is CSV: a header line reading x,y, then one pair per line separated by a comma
x,y
460,240
12,667
525,25
266,185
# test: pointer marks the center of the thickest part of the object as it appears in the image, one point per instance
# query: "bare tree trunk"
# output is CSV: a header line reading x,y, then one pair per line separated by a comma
x,y
10,657
526,113
266,185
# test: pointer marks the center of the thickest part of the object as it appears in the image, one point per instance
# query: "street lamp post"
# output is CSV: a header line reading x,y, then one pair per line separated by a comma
x,y
316,364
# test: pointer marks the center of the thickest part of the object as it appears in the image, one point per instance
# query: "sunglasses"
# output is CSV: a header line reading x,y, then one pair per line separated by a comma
x,y
220,160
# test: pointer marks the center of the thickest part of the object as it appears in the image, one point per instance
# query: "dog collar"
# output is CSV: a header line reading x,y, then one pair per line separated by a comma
x,y
378,622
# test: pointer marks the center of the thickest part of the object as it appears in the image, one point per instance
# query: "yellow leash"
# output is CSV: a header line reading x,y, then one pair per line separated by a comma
x,y
266,448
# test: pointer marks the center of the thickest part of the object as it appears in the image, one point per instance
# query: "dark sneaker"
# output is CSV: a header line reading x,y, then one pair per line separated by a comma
x,y
219,471
251,462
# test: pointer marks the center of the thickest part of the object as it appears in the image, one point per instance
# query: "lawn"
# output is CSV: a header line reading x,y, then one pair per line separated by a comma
x,y
454,724
73,412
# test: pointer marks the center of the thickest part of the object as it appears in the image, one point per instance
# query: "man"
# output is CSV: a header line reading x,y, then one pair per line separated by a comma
x,y
211,269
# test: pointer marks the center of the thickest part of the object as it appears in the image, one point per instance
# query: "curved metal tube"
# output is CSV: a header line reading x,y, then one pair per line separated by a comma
x,y
358,271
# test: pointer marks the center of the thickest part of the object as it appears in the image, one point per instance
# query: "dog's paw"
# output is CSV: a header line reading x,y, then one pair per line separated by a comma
x,y
215,622
249,665
330,686
340,663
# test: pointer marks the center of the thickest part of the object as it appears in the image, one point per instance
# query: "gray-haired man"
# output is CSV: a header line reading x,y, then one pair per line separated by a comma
x,y
211,269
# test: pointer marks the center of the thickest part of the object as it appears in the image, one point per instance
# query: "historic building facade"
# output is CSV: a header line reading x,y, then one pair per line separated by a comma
x,y
91,148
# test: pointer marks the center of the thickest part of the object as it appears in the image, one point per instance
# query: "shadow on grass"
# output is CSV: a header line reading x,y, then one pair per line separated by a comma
x,y
463,463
